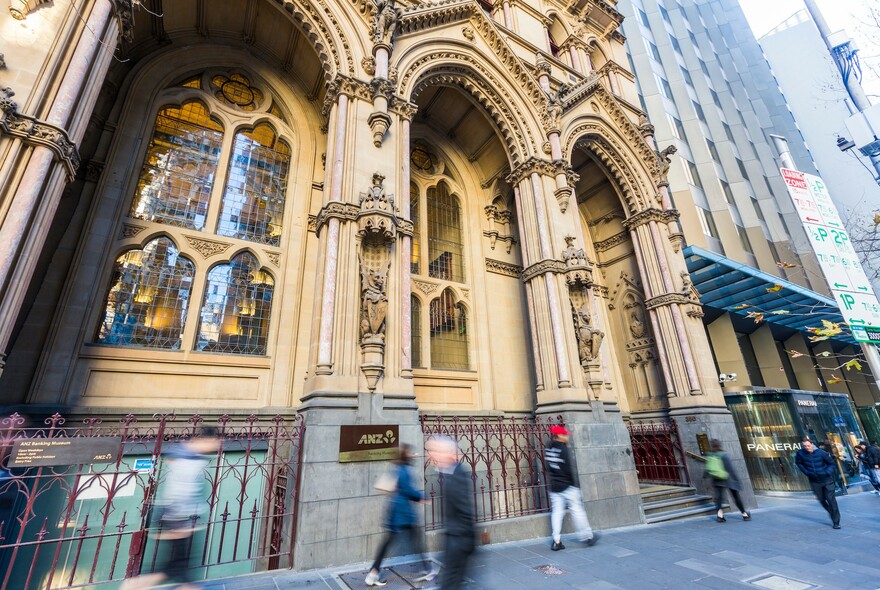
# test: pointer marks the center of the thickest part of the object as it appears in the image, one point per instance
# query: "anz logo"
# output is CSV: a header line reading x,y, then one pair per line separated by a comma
x,y
378,439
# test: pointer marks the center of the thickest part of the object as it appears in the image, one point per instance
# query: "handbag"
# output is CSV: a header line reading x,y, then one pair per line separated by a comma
x,y
387,483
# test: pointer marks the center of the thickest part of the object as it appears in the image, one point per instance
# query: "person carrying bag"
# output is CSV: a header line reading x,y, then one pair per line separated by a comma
x,y
720,469
400,518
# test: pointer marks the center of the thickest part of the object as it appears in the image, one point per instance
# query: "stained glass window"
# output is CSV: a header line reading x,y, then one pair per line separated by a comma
x,y
235,314
148,297
414,215
445,247
416,332
236,90
449,338
178,171
253,204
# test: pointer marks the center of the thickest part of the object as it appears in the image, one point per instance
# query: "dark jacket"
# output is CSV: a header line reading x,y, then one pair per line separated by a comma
x,y
732,481
871,456
400,512
458,503
818,466
558,461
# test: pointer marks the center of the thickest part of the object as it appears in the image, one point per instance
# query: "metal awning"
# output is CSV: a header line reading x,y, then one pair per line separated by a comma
x,y
727,285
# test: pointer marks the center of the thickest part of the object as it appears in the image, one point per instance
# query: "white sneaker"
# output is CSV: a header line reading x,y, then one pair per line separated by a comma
x,y
373,580
429,576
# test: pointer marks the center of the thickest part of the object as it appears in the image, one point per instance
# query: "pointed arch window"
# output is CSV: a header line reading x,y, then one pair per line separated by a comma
x,y
445,245
177,175
235,312
416,332
449,334
148,297
253,204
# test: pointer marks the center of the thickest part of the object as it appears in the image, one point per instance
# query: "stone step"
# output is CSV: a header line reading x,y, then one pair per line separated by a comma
x,y
691,512
672,504
667,493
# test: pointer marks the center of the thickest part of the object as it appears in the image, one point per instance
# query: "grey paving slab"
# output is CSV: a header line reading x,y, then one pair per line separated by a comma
x,y
788,538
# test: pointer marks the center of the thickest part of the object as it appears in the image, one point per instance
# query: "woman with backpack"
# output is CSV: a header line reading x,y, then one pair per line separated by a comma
x,y
720,469
400,519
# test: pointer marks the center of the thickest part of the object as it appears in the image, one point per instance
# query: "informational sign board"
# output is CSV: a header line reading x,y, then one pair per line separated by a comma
x,y
837,257
42,452
376,442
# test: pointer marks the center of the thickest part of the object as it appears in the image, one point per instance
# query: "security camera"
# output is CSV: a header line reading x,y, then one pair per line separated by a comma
x,y
726,377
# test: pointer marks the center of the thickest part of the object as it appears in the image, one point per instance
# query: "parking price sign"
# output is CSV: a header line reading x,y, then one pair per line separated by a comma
x,y
837,257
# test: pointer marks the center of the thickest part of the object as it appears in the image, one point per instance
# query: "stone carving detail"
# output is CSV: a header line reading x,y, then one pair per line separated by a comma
x,y
499,225
572,256
663,160
649,215
369,65
36,132
577,265
377,213
274,257
468,34
2,61
312,224
637,326
425,287
615,240
130,230
207,248
341,211
124,12
466,294
542,268
503,268
552,113
589,339
93,170
19,9
384,21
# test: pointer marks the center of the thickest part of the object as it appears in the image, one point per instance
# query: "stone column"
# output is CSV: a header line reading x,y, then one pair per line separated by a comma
x,y
40,147
331,240
508,17
543,74
405,246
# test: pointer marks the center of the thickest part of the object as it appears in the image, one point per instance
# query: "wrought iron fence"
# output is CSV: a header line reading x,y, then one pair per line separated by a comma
x,y
81,525
506,459
658,453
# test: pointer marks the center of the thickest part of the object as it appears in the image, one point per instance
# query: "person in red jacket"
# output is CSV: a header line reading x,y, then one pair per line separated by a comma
x,y
564,493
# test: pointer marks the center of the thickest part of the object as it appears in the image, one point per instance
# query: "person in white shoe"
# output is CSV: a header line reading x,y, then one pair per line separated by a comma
x,y
401,520
564,493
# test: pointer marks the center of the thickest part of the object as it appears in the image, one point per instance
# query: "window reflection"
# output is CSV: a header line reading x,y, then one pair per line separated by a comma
x,y
147,302
235,314
416,332
253,204
178,171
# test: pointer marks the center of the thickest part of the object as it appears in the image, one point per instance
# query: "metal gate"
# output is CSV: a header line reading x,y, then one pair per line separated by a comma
x,y
658,453
73,526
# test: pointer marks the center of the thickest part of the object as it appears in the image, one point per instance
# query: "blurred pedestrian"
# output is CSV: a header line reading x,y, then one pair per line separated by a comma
x,y
401,521
719,467
179,503
564,493
458,511
819,467
869,460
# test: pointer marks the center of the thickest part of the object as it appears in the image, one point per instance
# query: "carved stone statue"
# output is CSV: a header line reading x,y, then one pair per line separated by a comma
x,y
374,302
385,21
589,338
553,110
636,326
573,256
663,159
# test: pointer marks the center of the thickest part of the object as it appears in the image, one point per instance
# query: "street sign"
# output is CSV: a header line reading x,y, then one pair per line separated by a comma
x,y
836,255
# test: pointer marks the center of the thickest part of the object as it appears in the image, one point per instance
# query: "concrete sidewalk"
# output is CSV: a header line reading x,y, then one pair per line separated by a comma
x,y
789,544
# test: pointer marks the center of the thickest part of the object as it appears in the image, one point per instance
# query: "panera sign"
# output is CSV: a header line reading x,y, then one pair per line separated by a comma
x,y
376,442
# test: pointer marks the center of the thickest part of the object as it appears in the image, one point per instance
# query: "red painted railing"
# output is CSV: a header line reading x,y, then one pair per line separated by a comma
x,y
76,526
506,459
658,453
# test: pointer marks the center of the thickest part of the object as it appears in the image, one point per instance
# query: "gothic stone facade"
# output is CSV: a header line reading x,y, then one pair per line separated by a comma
x,y
357,210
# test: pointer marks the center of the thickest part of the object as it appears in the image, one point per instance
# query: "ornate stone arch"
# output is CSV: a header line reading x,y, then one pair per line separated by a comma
x,y
326,34
454,67
624,161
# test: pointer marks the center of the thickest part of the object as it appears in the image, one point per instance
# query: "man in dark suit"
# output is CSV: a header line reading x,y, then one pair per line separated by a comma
x,y
458,511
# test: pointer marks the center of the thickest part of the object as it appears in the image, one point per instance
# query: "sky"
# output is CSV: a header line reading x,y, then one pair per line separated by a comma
x,y
851,15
